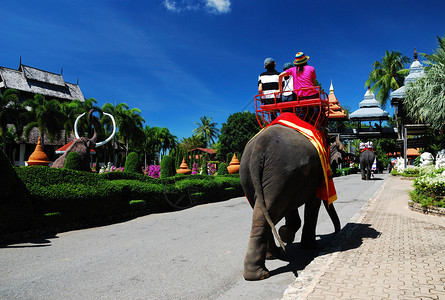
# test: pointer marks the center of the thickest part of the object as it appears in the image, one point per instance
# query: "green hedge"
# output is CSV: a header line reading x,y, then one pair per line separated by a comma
x,y
16,208
59,198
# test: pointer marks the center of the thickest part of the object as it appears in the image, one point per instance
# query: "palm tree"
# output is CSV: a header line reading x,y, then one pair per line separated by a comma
x,y
438,55
207,130
152,145
70,111
168,140
425,99
10,109
129,123
46,115
387,75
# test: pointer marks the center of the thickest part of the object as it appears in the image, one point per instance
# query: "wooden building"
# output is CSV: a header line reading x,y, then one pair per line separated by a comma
x,y
29,81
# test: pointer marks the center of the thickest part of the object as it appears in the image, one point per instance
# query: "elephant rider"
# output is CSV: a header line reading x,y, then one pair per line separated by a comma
x,y
268,83
304,78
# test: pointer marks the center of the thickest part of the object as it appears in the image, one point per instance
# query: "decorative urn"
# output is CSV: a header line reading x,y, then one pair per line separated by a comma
x,y
38,157
183,168
233,167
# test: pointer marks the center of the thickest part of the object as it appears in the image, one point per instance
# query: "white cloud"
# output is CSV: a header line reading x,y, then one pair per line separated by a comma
x,y
213,6
218,6
170,5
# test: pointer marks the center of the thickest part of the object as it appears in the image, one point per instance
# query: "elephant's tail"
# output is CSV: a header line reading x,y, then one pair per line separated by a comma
x,y
332,215
256,173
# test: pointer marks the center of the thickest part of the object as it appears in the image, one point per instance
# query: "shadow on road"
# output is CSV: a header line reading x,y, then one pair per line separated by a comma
x,y
43,241
350,237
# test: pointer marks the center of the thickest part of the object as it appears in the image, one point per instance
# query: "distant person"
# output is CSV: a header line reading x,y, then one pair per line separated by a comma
x,y
303,76
288,85
268,83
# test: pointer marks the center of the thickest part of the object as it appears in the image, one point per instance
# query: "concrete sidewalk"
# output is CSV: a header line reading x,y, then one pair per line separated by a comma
x,y
386,251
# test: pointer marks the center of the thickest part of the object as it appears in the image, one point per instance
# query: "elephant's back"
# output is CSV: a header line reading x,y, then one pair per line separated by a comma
x,y
279,146
285,141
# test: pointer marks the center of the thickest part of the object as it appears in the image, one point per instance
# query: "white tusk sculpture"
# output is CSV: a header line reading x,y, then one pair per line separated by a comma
x,y
76,134
75,125
112,135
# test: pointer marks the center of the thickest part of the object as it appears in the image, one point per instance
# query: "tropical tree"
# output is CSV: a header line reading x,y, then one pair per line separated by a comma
x,y
158,140
193,142
46,115
168,140
151,145
207,130
129,123
387,75
425,98
108,124
439,55
10,109
236,132
70,112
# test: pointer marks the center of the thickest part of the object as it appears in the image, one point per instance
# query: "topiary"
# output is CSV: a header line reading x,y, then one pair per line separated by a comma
x,y
229,157
132,163
16,210
167,167
204,166
222,169
72,161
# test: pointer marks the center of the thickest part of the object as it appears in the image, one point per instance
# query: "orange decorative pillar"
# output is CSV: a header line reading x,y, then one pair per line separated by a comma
x,y
38,157
233,167
183,168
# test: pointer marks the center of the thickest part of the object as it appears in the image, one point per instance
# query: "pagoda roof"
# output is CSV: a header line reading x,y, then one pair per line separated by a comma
x,y
416,71
335,110
35,81
369,109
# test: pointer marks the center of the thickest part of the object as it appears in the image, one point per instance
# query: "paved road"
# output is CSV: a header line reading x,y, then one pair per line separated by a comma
x,y
387,251
193,254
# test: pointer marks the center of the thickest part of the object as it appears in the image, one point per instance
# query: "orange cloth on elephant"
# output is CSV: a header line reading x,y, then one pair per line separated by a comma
x,y
326,189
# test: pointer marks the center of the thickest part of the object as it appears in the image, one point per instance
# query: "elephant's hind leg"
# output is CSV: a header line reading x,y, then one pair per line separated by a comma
x,y
311,209
272,251
254,262
293,223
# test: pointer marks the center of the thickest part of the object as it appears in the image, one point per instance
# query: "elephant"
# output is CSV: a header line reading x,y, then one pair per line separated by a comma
x,y
84,145
367,158
337,153
280,171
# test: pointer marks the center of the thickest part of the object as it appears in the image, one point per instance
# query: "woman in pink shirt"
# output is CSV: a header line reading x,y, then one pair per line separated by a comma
x,y
303,77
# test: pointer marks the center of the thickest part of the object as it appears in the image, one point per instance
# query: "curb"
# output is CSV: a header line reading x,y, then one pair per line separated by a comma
x,y
432,210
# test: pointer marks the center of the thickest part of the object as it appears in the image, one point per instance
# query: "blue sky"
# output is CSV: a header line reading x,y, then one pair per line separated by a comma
x,y
178,60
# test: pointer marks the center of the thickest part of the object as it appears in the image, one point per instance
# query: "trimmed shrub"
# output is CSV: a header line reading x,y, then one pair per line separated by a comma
x,y
132,163
72,161
222,169
16,210
204,169
229,157
167,167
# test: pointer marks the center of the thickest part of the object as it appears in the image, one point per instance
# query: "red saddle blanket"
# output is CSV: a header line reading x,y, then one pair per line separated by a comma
x,y
326,189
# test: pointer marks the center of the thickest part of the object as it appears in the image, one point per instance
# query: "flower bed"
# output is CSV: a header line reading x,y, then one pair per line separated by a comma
x,y
429,187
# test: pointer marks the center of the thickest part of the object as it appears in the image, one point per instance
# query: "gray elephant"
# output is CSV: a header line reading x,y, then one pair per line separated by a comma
x,y
366,160
280,170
